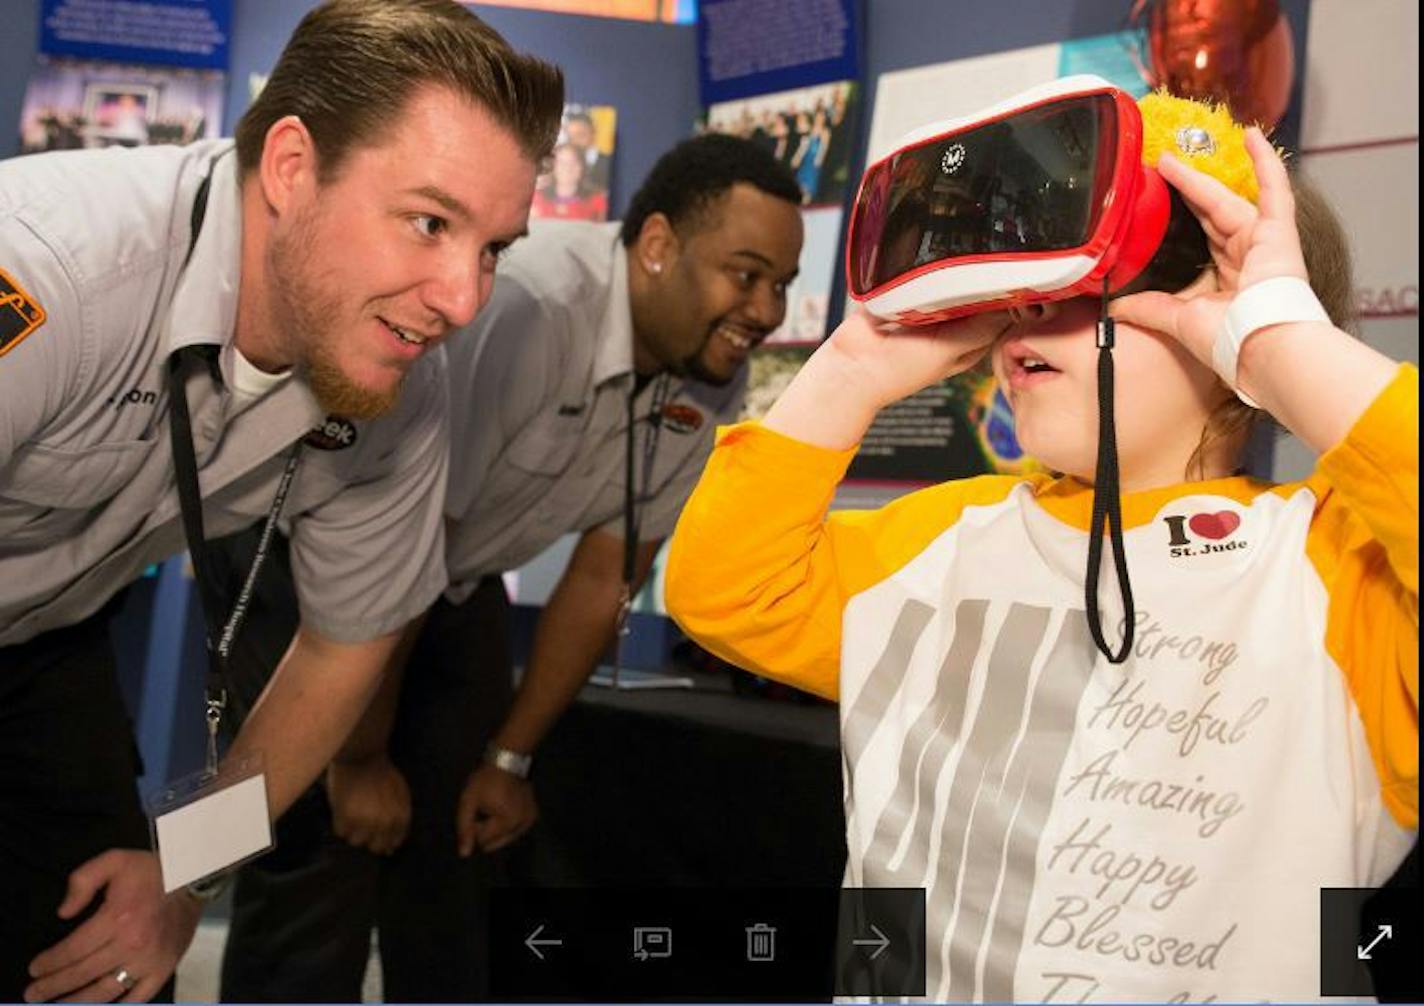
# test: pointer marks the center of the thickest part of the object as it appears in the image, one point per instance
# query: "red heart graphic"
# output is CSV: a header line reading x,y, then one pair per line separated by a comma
x,y
1214,525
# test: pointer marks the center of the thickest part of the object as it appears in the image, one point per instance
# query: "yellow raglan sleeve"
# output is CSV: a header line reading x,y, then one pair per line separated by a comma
x,y
750,574
759,571
1364,542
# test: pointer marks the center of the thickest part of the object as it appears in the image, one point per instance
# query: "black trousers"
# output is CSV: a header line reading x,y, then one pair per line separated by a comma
x,y
68,771
303,914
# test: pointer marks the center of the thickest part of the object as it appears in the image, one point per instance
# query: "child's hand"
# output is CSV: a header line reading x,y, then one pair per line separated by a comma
x,y
862,368
891,363
1248,244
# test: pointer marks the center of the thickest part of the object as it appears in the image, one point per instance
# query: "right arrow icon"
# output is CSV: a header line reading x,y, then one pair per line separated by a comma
x,y
1385,933
880,942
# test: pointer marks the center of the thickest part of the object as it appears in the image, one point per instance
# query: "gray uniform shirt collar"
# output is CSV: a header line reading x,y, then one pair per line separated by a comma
x,y
204,306
614,354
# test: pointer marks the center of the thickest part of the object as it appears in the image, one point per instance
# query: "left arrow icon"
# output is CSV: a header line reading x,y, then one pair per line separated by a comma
x,y
534,943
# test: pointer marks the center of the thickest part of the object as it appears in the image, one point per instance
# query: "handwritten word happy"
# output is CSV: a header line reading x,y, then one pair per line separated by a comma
x,y
1120,868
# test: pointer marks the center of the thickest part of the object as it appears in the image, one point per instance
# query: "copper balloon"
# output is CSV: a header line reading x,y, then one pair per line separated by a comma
x,y
1235,51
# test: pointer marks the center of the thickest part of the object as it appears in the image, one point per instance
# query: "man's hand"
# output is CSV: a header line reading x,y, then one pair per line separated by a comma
x,y
138,930
495,809
370,803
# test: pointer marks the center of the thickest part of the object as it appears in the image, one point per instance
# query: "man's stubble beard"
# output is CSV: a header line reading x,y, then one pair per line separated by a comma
x,y
308,311
693,367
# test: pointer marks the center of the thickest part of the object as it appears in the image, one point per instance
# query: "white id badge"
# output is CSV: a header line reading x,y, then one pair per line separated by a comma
x,y
206,823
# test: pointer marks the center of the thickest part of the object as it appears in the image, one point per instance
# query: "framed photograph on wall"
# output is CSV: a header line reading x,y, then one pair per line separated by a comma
x,y
119,113
575,186
72,104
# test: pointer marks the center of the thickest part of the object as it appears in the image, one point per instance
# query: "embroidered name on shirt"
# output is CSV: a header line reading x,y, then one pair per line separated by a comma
x,y
134,396
334,434
20,314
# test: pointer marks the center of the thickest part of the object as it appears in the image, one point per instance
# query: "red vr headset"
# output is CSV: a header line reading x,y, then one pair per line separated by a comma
x,y
1037,198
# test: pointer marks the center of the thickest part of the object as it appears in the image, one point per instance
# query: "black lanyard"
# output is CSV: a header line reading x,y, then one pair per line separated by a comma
x,y
632,519
1107,501
185,468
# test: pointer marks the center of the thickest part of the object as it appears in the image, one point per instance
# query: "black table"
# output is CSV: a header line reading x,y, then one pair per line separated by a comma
x,y
687,788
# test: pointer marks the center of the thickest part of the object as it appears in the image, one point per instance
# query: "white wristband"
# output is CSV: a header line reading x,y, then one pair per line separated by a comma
x,y
1270,302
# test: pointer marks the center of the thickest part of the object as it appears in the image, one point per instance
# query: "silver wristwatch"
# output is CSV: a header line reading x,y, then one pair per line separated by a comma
x,y
513,762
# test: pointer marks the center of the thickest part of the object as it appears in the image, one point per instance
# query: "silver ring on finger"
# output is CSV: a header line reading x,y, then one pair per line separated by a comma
x,y
126,981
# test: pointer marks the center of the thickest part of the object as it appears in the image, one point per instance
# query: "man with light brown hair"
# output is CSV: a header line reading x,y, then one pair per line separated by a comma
x,y
294,288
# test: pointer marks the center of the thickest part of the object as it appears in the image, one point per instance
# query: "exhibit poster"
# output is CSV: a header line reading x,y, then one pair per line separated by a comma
x,y
580,170
751,47
810,129
190,33
670,11
74,105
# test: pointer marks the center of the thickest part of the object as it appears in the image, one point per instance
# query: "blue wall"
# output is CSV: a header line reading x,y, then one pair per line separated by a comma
x,y
19,38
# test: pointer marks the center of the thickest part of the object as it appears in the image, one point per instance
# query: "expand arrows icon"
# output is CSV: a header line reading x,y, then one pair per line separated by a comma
x,y
1385,933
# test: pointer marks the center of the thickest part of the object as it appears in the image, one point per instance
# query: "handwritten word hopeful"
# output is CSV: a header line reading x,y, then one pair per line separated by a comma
x,y
1126,710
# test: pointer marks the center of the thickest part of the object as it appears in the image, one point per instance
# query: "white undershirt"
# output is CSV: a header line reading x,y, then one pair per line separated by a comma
x,y
249,383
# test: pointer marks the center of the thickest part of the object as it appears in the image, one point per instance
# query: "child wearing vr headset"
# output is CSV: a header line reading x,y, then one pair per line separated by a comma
x,y
1131,789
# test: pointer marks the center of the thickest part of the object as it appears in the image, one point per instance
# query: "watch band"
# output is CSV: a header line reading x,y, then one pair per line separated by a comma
x,y
513,762
1269,302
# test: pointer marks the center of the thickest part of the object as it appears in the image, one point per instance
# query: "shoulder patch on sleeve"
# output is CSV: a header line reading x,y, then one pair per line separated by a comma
x,y
20,314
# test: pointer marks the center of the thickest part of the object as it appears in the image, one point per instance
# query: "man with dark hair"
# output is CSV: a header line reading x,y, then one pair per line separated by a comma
x,y
286,292
588,326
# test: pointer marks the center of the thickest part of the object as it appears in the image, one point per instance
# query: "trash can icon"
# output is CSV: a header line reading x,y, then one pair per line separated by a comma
x,y
761,942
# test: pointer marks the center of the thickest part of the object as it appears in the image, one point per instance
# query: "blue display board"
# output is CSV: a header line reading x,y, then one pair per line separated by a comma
x,y
747,47
191,33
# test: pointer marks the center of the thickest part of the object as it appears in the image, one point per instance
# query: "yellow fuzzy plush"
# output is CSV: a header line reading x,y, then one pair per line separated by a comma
x,y
1164,117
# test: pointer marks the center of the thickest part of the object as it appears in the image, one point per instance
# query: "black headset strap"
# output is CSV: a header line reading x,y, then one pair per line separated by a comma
x,y
1107,501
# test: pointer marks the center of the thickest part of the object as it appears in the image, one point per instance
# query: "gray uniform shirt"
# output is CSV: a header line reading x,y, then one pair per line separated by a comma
x,y
96,241
539,392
